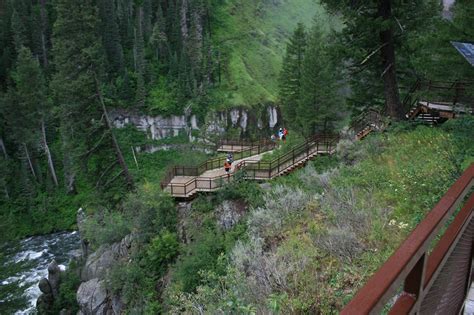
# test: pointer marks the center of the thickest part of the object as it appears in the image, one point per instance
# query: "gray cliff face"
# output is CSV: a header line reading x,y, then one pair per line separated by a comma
x,y
92,295
159,127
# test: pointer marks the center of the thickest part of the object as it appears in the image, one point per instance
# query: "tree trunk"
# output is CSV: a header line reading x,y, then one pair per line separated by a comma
x,y
389,76
48,154
4,150
68,164
118,152
29,161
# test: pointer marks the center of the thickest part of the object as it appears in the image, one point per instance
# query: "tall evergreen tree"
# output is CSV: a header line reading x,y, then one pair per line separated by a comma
x,y
33,102
78,59
320,101
290,77
139,49
110,35
376,64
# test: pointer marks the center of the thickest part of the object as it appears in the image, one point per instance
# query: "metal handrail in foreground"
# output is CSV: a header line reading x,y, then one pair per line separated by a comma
x,y
433,283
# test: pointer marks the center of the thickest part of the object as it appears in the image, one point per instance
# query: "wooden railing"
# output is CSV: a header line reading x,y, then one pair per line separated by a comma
x,y
433,282
321,144
453,92
256,170
180,170
234,145
371,118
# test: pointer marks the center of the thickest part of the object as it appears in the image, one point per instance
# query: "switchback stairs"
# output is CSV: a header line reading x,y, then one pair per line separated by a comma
x,y
186,182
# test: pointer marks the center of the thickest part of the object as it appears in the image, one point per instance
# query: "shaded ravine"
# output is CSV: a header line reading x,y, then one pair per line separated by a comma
x,y
24,263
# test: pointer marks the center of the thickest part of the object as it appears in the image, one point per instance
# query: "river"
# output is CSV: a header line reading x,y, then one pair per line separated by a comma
x,y
24,263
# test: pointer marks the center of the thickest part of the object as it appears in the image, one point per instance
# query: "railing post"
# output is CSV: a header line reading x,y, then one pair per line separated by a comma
x,y
415,280
278,163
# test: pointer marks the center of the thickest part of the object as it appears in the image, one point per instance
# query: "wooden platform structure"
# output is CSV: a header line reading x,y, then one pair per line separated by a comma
x,y
433,113
427,102
434,102
186,182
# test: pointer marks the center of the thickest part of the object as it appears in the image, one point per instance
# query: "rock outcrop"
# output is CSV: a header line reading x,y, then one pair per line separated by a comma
x,y
49,288
159,127
105,257
92,295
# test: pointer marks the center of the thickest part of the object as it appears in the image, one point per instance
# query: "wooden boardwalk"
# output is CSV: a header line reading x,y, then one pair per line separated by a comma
x,y
185,186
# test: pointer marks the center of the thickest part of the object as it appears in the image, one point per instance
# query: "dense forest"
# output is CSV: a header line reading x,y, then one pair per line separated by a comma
x,y
66,65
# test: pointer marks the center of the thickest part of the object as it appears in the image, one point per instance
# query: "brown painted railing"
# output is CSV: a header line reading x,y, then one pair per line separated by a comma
x,y
266,170
433,282
371,118
179,170
258,170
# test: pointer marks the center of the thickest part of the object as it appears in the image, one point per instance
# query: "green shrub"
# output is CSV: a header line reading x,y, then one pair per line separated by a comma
x,y
106,227
201,255
150,211
161,251
202,204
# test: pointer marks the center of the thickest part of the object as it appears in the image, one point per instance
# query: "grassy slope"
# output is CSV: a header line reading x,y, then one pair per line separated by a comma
x,y
253,37
330,230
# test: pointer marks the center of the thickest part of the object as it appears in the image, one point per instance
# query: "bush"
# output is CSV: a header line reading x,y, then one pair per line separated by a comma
x,y
161,251
150,211
106,227
201,255
278,207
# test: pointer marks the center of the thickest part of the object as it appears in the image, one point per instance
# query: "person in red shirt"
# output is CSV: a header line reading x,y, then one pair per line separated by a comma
x,y
227,166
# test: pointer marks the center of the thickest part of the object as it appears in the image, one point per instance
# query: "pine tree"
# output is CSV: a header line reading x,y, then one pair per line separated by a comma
x,y
140,59
78,56
377,66
19,31
319,102
290,77
110,35
159,39
33,103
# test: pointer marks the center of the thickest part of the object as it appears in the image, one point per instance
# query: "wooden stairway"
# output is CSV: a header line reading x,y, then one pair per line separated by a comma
x,y
188,186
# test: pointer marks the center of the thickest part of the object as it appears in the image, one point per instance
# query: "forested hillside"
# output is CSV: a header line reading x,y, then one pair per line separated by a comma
x,y
64,66
85,87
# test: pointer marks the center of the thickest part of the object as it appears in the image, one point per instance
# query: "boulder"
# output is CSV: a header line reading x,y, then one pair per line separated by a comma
x,y
106,256
92,297
44,286
45,301
97,263
54,277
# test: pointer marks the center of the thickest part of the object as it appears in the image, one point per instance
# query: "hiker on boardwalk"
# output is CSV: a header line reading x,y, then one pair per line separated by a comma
x,y
227,166
230,158
282,134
